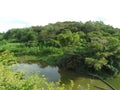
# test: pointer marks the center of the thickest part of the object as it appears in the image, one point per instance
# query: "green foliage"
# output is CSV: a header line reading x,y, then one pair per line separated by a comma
x,y
3,42
92,46
10,80
1,36
49,50
53,43
68,38
6,58
31,44
97,64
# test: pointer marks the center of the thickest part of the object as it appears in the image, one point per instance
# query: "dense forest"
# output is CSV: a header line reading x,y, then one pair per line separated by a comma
x,y
90,47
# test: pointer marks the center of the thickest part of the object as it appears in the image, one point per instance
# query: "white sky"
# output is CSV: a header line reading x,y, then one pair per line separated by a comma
x,y
25,13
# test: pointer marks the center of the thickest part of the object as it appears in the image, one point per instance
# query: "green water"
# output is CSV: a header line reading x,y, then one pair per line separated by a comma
x,y
115,82
53,73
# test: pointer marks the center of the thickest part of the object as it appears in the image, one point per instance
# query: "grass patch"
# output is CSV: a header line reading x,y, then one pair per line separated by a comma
x,y
27,57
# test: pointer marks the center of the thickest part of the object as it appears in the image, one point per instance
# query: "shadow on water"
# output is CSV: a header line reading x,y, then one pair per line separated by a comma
x,y
83,80
54,73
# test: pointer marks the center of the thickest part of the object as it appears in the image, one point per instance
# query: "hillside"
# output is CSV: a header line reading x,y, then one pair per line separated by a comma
x,y
91,47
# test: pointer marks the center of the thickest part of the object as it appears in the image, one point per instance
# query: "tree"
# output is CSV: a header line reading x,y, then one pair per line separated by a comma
x,y
96,63
68,38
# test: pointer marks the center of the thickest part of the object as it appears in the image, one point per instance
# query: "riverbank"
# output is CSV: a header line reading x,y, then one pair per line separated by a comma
x,y
115,82
105,81
81,47
111,82
54,73
27,57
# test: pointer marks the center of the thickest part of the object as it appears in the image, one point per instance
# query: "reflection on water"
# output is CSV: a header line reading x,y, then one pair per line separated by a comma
x,y
53,73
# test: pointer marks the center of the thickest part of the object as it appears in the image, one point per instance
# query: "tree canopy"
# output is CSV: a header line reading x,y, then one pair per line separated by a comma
x,y
93,46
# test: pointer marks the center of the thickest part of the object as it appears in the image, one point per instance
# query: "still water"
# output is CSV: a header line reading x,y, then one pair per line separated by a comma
x,y
53,73
115,82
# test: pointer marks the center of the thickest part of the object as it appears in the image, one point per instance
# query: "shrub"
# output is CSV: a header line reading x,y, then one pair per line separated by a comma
x,y
10,80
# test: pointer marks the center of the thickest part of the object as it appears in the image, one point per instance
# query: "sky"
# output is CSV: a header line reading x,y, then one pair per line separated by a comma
x,y
26,13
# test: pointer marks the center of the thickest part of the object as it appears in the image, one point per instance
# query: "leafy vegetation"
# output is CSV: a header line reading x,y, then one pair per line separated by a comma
x,y
10,80
91,47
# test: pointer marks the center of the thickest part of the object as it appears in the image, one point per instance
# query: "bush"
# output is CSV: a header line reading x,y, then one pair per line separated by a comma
x,y
10,80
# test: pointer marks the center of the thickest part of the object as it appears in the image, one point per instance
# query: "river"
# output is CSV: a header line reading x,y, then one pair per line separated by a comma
x,y
53,73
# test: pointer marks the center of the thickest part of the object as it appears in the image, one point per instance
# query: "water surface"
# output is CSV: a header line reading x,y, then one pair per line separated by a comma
x,y
115,82
53,73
